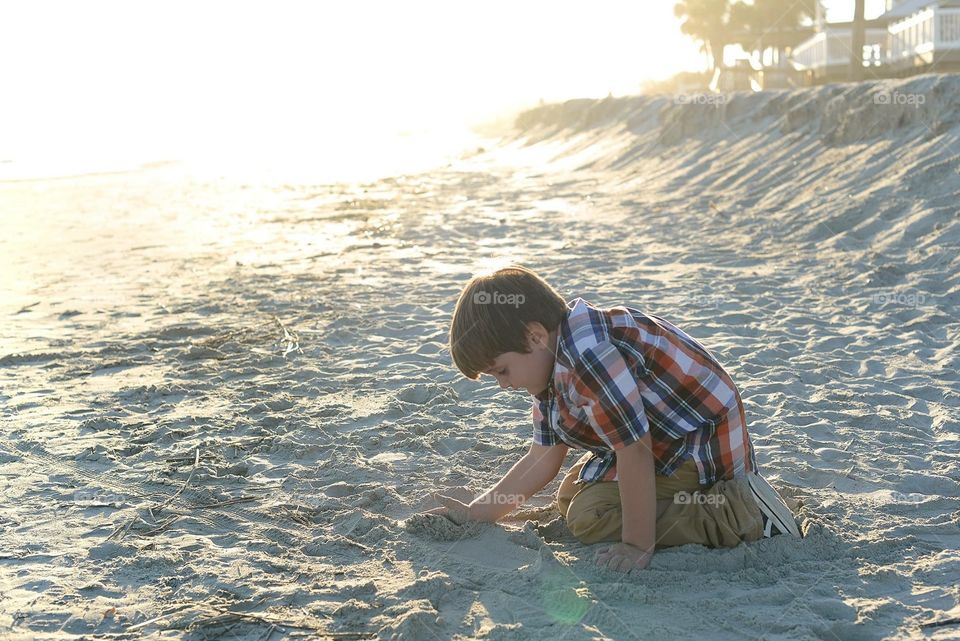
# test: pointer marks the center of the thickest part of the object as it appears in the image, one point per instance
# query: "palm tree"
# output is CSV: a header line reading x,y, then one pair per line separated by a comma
x,y
706,21
772,23
857,40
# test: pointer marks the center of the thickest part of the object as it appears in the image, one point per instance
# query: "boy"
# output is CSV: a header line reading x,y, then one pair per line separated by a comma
x,y
669,460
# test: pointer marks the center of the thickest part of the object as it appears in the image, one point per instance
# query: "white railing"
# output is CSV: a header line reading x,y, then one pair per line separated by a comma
x,y
930,30
809,53
831,48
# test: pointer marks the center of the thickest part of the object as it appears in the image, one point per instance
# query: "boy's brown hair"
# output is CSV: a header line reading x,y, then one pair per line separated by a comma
x,y
492,313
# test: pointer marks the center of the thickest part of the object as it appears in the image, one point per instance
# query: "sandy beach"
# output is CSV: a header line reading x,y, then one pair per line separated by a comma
x,y
224,403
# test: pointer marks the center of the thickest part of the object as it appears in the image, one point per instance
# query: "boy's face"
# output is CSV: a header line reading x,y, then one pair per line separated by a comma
x,y
531,371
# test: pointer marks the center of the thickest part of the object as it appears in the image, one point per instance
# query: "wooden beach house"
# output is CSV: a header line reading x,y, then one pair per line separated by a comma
x,y
911,36
923,36
825,56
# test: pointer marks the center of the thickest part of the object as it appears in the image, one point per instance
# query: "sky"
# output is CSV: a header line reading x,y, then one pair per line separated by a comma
x,y
164,79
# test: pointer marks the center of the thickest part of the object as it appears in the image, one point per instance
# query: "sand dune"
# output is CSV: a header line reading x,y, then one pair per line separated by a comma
x,y
233,398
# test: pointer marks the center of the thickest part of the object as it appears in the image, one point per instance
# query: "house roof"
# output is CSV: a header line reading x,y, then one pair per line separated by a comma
x,y
906,8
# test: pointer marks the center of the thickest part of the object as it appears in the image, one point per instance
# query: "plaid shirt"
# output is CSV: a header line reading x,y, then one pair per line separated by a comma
x,y
620,373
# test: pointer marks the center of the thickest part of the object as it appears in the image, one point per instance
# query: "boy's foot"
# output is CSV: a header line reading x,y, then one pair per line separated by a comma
x,y
777,517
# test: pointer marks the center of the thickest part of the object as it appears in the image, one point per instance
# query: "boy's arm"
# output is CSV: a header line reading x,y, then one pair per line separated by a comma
x,y
635,474
528,476
608,387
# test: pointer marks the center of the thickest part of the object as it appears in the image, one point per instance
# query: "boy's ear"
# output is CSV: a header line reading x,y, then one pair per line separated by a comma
x,y
536,334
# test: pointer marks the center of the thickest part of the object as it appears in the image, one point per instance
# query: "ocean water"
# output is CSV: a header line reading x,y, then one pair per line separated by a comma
x,y
86,235
316,157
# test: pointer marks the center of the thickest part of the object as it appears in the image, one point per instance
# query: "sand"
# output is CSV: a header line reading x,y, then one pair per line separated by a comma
x,y
224,403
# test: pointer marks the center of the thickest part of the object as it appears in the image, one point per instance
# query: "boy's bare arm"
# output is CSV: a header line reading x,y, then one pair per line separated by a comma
x,y
528,476
638,495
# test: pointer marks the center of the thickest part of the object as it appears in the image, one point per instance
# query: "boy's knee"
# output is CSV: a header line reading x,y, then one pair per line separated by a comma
x,y
588,529
592,522
582,525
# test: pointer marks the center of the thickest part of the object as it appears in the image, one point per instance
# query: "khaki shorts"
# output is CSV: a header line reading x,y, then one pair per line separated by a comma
x,y
720,515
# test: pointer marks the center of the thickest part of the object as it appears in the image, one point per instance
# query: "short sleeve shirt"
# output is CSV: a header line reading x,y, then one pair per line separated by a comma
x,y
620,373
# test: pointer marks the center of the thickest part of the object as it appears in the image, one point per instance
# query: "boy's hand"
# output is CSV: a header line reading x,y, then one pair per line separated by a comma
x,y
622,557
456,511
